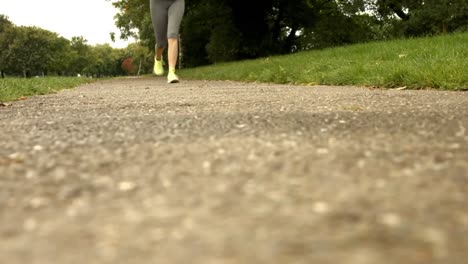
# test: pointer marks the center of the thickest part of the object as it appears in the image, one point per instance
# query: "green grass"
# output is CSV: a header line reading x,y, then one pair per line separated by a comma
x,y
433,62
16,88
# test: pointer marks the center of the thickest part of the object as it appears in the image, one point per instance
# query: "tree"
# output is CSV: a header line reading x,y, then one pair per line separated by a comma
x,y
418,17
286,20
223,30
209,34
339,23
438,16
127,66
30,50
220,30
105,61
79,55
5,25
60,60
134,20
142,59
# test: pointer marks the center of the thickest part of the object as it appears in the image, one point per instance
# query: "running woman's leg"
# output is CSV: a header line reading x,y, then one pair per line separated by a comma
x,y
176,12
159,17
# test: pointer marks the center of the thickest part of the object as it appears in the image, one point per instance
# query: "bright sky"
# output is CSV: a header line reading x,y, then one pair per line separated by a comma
x,y
92,19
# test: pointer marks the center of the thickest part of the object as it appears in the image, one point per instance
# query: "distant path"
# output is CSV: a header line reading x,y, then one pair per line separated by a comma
x,y
137,171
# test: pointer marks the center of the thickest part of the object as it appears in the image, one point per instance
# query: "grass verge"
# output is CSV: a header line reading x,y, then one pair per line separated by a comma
x,y
16,88
432,62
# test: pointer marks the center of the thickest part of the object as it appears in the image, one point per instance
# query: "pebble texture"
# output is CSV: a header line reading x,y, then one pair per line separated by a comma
x,y
137,171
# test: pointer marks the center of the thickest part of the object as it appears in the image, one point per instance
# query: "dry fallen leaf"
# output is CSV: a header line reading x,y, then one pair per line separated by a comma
x,y
126,186
401,88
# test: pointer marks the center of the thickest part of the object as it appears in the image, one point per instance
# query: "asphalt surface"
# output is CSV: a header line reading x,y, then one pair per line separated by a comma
x,y
138,171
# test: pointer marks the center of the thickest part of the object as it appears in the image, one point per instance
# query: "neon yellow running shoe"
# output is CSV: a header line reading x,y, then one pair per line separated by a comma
x,y
158,67
172,76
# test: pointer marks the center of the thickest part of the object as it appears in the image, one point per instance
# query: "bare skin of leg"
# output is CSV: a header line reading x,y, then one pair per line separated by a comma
x,y
159,53
172,52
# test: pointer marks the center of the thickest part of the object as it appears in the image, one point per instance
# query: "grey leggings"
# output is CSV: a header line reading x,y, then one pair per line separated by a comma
x,y
166,16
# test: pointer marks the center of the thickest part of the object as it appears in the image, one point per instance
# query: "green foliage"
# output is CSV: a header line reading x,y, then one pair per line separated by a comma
x,y
32,51
4,23
224,44
429,17
215,31
134,20
209,34
142,58
106,61
60,59
197,26
16,88
222,30
80,55
432,62
336,29
5,39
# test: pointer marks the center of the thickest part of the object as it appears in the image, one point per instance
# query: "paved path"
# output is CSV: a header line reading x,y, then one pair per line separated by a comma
x,y
136,171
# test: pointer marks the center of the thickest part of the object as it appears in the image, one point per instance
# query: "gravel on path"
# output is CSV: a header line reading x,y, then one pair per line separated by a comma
x,y
138,171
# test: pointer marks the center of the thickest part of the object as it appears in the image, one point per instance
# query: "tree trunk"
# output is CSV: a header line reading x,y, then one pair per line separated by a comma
x,y
398,11
139,67
288,43
444,27
276,30
2,73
